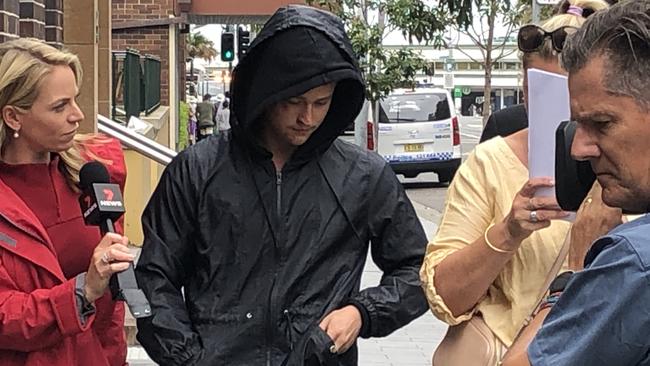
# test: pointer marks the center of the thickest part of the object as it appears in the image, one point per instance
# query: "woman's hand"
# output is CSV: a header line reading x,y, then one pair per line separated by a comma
x,y
110,256
530,213
594,219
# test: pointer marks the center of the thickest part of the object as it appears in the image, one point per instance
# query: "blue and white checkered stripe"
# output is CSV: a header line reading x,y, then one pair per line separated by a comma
x,y
435,156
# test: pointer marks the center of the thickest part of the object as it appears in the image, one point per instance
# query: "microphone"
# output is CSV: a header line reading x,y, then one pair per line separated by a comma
x,y
101,205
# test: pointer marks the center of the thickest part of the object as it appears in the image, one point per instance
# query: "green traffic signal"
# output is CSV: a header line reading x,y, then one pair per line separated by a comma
x,y
227,47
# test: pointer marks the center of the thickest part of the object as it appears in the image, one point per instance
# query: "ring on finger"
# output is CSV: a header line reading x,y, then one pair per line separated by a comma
x,y
533,216
105,258
333,349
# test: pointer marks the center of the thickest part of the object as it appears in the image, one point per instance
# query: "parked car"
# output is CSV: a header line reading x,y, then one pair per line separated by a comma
x,y
418,132
363,118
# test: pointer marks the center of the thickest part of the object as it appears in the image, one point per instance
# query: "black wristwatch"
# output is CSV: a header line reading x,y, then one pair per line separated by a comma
x,y
560,282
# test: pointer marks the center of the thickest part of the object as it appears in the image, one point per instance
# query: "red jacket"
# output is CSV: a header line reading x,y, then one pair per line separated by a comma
x,y
39,321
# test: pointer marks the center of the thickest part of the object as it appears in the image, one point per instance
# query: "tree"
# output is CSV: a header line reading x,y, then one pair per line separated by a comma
x,y
201,47
481,32
368,22
527,11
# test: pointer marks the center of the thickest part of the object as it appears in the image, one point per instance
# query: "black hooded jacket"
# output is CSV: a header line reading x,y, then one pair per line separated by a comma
x,y
240,262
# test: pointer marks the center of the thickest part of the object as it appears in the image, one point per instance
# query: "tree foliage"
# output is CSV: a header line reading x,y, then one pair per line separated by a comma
x,y
369,21
546,11
200,47
488,15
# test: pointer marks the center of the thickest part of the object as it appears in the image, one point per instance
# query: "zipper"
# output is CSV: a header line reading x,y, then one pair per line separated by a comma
x,y
278,185
272,301
270,321
289,335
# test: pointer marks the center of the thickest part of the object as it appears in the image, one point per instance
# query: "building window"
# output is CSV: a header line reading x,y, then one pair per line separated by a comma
x,y
512,65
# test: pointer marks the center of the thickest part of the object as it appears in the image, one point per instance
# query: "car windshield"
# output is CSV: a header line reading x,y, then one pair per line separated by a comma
x,y
414,107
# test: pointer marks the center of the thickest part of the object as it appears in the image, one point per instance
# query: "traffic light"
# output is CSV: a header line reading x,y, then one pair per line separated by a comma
x,y
243,41
227,47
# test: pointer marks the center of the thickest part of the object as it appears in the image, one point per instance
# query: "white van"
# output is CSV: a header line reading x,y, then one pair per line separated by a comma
x,y
418,132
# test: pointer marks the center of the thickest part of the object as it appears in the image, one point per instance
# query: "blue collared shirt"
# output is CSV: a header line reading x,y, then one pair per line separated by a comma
x,y
603,316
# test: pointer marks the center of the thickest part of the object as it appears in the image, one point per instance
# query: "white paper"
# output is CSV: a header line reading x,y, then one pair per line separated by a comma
x,y
548,106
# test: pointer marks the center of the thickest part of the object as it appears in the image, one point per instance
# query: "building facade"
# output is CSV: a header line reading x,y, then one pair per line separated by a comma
x,y
42,19
156,28
462,70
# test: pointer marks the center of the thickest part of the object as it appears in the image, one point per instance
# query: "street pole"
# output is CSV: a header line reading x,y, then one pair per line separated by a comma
x,y
518,86
361,122
536,11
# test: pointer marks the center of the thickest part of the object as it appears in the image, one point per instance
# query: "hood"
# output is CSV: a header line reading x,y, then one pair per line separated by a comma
x,y
298,49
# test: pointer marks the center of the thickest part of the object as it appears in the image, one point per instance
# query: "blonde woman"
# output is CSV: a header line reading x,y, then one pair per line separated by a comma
x,y
496,241
54,270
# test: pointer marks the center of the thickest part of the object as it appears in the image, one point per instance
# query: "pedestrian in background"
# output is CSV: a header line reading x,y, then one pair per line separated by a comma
x,y
205,112
223,117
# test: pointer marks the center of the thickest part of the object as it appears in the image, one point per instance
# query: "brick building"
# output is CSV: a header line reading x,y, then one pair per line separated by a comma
x,y
42,19
154,27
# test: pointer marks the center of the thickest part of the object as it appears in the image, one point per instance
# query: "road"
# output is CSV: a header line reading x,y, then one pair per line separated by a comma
x,y
425,188
412,345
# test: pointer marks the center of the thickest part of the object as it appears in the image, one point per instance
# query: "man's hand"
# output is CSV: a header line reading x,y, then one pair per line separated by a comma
x,y
594,219
343,326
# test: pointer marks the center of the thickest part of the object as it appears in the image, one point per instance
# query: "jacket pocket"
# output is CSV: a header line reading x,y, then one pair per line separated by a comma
x,y
312,349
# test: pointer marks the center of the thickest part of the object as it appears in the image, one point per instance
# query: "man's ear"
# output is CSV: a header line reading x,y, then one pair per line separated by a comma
x,y
11,117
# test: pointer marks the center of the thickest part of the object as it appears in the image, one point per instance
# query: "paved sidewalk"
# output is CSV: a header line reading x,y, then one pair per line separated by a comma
x,y
412,345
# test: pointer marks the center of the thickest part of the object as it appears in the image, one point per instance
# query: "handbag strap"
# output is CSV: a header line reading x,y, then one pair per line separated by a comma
x,y
557,266
552,273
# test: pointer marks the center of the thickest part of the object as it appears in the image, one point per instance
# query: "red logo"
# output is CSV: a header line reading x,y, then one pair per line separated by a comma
x,y
87,200
108,194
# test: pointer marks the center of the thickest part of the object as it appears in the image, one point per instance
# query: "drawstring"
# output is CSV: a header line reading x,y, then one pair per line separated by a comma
x,y
289,335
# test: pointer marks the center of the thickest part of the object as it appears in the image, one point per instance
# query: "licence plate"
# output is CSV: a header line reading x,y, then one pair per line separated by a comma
x,y
413,147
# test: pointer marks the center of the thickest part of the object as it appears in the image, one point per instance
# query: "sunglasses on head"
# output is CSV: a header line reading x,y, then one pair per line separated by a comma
x,y
531,37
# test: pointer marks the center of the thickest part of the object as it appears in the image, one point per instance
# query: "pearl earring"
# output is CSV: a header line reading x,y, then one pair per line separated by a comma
x,y
16,135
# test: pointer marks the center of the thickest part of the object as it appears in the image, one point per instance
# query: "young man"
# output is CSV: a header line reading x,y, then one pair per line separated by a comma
x,y
602,317
255,242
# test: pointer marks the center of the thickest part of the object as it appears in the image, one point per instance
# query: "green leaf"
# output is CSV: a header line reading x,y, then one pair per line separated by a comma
x,y
386,69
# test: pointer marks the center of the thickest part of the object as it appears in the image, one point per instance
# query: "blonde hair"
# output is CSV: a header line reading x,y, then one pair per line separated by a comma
x,y
24,63
563,19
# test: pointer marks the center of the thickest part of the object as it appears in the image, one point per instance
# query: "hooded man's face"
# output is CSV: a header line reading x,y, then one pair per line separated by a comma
x,y
293,121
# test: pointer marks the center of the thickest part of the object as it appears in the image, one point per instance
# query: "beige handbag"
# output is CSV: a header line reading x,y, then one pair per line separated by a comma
x,y
472,343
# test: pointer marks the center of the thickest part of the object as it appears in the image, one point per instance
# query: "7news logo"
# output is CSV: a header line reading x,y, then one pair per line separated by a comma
x,y
108,194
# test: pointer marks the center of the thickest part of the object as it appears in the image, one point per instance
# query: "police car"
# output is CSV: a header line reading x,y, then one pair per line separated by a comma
x,y
418,132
